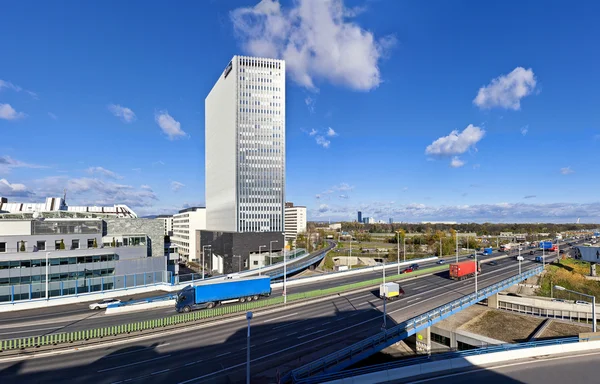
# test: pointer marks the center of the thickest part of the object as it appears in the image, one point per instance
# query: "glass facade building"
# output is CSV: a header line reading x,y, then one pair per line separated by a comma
x,y
245,147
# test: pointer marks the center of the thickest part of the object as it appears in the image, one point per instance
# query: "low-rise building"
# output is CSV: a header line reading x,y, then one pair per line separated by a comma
x,y
77,255
59,204
167,221
295,221
185,225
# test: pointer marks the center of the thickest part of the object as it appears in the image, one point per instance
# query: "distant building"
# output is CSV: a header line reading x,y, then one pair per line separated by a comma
x,y
295,221
167,221
58,204
185,225
391,221
335,226
360,218
368,220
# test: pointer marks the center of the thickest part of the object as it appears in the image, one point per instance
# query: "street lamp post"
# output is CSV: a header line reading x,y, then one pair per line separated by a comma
x,y
384,299
457,246
441,252
203,251
260,247
404,247
476,273
248,317
47,267
561,288
284,275
398,246
271,250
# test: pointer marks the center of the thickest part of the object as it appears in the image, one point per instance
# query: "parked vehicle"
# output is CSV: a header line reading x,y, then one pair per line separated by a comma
x,y
103,304
212,294
464,270
390,291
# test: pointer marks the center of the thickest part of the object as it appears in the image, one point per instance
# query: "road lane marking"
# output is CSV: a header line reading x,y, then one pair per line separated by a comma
x,y
135,351
341,318
310,334
132,364
363,296
287,325
280,317
415,299
407,285
306,329
354,314
252,346
327,322
290,334
159,372
223,354
422,286
196,362
268,341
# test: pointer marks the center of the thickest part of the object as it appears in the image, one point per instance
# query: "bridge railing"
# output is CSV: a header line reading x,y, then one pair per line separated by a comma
x,y
437,357
356,352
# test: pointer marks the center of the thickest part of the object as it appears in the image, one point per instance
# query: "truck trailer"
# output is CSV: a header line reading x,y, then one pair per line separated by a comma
x,y
464,270
209,295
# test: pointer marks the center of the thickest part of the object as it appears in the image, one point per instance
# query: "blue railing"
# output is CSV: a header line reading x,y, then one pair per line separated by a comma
x,y
436,357
367,347
154,299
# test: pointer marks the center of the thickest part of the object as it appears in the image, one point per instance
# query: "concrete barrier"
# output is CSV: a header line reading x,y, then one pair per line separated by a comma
x,y
486,359
141,307
337,275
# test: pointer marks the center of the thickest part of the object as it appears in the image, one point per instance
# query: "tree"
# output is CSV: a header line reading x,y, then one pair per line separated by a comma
x,y
62,244
95,244
113,243
22,248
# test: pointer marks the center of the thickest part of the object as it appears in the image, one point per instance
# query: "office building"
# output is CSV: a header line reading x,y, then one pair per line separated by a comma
x,y
58,205
245,147
167,221
391,221
78,255
360,219
368,220
185,225
295,221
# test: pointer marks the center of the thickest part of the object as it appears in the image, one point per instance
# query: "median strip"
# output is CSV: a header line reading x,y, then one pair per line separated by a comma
x,y
140,326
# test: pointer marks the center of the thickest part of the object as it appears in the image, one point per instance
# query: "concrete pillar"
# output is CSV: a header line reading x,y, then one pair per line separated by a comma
x,y
453,340
492,301
423,344
592,269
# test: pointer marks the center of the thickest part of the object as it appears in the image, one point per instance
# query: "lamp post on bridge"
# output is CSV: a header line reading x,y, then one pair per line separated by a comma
x,y
561,288
260,247
271,250
203,251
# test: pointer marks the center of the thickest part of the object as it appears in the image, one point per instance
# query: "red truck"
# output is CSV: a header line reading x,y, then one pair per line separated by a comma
x,y
464,270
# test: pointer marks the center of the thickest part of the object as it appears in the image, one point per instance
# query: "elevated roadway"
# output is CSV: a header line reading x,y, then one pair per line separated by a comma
x,y
280,341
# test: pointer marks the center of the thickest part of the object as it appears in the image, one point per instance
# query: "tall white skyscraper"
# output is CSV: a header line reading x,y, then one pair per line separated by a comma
x,y
245,147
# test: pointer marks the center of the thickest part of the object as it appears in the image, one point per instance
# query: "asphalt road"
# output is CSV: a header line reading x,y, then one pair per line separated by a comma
x,y
567,368
76,317
280,341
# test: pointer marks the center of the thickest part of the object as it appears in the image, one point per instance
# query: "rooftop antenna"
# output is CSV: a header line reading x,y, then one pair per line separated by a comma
x,y
65,195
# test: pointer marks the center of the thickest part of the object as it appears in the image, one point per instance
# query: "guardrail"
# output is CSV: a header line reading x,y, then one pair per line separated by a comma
x,y
354,353
436,357
98,333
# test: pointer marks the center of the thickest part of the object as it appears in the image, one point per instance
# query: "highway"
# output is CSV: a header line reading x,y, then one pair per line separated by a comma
x,y
280,341
76,317
558,369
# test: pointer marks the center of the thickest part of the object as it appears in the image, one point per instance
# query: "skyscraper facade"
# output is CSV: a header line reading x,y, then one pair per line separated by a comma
x,y
360,218
245,147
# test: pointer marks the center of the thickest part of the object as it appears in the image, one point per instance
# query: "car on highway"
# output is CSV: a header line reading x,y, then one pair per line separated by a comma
x,y
414,267
440,261
103,304
531,252
583,302
520,258
407,270
472,256
559,300
493,263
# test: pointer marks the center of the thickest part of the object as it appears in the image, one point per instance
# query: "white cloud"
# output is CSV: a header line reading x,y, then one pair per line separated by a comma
x,y
310,104
323,208
456,162
126,114
176,186
136,169
8,113
7,163
476,166
317,41
456,143
343,196
506,91
16,88
52,115
93,191
104,172
323,142
146,187
159,162
14,190
524,130
170,126
331,132
312,132
343,187
404,189
566,171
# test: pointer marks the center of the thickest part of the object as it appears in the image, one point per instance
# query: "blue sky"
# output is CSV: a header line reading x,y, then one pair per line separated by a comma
x,y
454,111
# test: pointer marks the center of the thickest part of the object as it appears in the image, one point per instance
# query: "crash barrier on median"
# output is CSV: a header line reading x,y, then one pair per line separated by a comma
x,y
98,333
140,305
367,347
452,360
